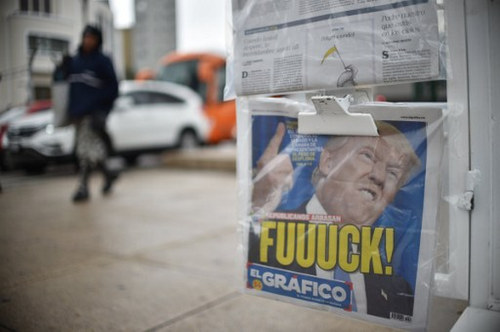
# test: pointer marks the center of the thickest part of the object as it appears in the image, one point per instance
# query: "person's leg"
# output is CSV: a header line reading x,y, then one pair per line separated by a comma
x,y
109,177
82,193
84,161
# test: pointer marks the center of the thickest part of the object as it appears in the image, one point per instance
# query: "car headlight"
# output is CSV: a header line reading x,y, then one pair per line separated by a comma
x,y
49,129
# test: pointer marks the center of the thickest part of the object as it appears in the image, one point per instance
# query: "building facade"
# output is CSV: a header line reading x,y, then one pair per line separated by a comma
x,y
34,34
154,33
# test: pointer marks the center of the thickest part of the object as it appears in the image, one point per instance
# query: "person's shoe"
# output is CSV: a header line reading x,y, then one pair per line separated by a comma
x,y
108,182
81,195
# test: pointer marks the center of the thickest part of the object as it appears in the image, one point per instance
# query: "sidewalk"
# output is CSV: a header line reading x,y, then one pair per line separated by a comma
x,y
160,254
221,157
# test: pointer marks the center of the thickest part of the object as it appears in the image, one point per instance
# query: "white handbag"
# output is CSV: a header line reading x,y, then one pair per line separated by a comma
x,y
60,91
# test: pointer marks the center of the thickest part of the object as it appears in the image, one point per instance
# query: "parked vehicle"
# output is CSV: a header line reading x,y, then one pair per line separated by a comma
x,y
13,114
39,105
206,74
32,142
5,119
148,116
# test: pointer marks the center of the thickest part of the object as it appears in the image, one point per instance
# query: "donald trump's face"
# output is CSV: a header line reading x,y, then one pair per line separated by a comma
x,y
360,178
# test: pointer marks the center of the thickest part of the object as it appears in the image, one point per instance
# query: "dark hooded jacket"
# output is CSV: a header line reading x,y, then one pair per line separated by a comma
x,y
93,84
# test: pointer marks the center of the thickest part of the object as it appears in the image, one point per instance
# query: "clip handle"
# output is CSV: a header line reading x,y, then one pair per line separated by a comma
x,y
327,104
333,118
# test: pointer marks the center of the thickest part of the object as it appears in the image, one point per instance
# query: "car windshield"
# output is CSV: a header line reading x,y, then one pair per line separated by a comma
x,y
184,73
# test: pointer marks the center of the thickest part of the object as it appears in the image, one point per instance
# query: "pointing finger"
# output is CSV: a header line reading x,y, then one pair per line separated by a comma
x,y
275,142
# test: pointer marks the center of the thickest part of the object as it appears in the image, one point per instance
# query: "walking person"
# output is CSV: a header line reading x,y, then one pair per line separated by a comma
x,y
92,91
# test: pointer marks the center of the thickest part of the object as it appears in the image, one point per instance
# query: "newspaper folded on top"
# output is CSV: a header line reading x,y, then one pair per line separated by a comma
x,y
297,45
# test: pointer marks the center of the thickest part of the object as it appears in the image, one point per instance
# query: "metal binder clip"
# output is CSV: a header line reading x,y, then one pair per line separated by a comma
x,y
333,118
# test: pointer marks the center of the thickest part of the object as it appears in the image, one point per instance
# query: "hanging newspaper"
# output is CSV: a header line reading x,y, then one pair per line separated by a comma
x,y
345,223
297,45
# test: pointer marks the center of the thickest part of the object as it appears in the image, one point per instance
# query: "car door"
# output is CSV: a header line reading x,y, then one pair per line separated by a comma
x,y
127,124
147,123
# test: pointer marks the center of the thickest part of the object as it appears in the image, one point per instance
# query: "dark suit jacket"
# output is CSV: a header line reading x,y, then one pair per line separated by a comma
x,y
384,294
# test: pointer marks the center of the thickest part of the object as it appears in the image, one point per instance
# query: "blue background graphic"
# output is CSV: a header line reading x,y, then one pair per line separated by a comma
x,y
404,214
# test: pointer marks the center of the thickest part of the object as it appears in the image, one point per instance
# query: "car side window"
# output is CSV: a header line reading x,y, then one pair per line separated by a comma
x,y
140,97
164,98
221,83
150,97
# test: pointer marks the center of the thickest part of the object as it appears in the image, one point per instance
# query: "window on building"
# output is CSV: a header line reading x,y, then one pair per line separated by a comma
x,y
23,5
42,92
36,6
47,45
47,6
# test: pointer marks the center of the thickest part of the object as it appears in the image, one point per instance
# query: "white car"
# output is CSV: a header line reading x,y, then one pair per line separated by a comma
x,y
147,116
6,118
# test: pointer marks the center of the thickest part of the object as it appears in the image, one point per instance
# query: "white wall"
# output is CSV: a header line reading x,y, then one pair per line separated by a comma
x,y
66,22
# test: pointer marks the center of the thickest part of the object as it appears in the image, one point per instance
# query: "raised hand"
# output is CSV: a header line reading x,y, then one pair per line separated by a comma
x,y
274,174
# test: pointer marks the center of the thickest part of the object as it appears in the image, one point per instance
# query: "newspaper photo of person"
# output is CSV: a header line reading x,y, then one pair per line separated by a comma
x,y
351,182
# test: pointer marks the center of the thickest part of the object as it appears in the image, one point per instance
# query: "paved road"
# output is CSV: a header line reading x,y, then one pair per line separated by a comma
x,y
160,254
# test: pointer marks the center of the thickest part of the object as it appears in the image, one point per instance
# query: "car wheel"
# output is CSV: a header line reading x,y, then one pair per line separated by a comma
x,y
188,140
35,169
4,162
131,160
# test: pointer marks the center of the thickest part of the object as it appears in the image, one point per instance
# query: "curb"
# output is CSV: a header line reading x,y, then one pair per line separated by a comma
x,y
214,158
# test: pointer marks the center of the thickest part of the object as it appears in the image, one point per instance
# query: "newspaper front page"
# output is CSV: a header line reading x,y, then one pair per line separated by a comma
x,y
299,45
344,223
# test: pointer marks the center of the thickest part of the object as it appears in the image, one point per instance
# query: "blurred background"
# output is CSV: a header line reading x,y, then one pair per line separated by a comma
x,y
183,42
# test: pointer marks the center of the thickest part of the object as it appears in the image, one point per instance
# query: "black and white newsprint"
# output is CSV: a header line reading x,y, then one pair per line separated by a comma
x,y
299,45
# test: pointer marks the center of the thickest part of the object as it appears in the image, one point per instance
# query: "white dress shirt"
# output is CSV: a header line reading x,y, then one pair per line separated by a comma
x,y
357,279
